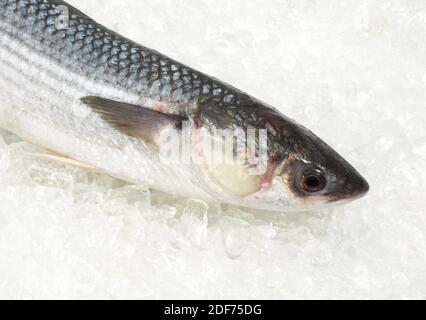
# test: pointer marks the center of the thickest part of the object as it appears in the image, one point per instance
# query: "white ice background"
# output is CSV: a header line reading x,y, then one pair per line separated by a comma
x,y
352,71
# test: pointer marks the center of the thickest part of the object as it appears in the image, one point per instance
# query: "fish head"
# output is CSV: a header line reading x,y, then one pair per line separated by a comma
x,y
304,172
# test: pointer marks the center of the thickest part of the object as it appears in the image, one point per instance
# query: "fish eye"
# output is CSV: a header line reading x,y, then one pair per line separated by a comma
x,y
312,181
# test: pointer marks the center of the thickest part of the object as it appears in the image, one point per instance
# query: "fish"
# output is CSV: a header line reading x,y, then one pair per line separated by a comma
x,y
93,98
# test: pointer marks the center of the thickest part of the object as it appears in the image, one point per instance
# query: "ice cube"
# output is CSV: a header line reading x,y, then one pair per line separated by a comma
x,y
236,235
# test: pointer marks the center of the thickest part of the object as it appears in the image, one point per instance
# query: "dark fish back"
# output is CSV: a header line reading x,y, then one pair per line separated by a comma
x,y
89,48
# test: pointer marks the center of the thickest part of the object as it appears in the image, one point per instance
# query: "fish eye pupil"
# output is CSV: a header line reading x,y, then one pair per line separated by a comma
x,y
312,181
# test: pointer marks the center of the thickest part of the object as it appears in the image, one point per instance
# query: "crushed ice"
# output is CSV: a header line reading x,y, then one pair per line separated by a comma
x,y
354,72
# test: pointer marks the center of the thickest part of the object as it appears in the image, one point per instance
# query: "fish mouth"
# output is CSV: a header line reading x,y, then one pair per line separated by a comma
x,y
355,188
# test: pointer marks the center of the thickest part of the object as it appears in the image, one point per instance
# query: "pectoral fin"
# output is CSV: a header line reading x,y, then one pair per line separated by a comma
x,y
133,120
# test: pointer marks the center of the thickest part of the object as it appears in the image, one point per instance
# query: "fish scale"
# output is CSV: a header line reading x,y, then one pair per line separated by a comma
x,y
102,51
99,98
50,104
123,63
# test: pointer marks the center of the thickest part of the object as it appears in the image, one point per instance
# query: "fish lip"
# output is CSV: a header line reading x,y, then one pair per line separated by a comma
x,y
356,190
362,187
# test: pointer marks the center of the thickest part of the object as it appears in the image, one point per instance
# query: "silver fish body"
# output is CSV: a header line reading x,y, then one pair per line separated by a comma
x,y
50,71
